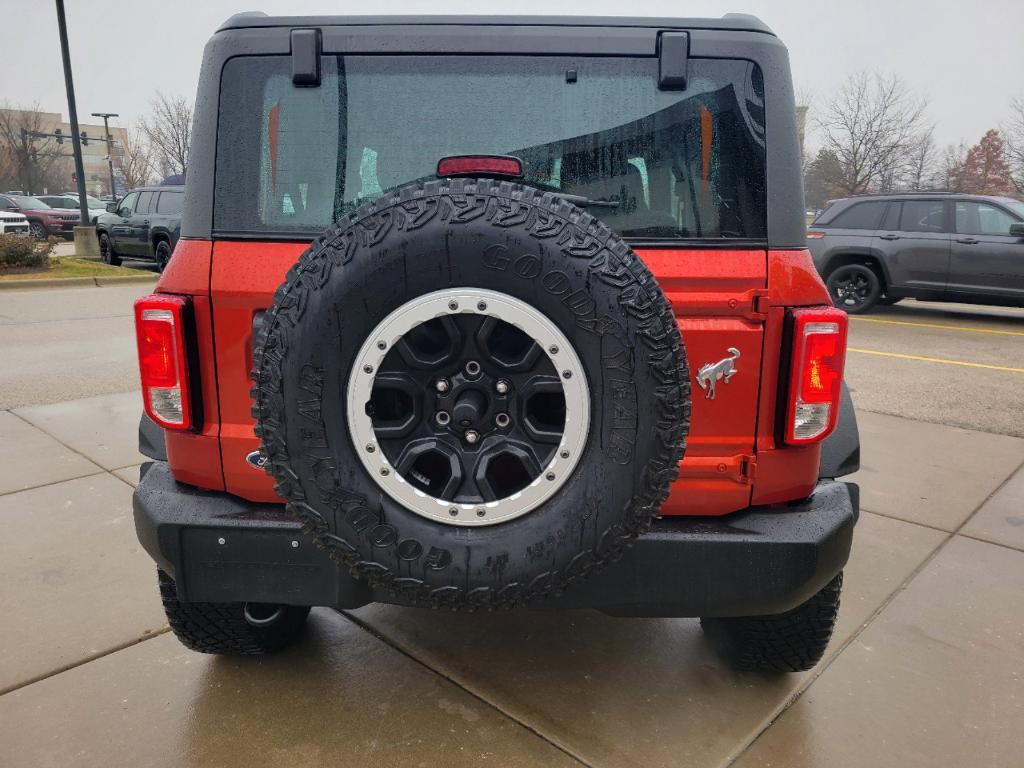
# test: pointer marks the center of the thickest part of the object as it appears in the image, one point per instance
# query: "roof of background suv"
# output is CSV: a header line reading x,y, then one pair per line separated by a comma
x,y
736,22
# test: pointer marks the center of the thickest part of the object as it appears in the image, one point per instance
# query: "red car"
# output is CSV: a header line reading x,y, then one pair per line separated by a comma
x,y
489,313
43,220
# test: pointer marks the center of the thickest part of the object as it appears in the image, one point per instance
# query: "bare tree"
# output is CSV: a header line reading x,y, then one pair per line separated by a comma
x,y
1014,131
29,163
871,125
945,174
921,163
169,132
135,160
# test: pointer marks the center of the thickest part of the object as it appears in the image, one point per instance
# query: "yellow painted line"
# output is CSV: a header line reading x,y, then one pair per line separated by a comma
x,y
964,328
934,360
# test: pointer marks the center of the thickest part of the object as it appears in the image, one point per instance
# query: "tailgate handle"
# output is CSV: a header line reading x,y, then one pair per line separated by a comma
x,y
673,54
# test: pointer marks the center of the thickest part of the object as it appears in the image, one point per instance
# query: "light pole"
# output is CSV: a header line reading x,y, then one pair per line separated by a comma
x,y
76,141
110,146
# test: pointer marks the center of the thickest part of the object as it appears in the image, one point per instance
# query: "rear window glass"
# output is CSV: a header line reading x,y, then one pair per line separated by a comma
x,y
144,200
860,216
923,216
681,164
170,202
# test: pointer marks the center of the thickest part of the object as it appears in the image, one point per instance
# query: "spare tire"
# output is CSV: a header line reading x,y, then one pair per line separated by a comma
x,y
472,393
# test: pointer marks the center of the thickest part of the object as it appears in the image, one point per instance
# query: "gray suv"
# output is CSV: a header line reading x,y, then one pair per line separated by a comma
x,y
876,249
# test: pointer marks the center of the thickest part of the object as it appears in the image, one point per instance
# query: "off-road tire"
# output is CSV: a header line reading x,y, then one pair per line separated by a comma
x,y
426,237
222,627
793,641
107,253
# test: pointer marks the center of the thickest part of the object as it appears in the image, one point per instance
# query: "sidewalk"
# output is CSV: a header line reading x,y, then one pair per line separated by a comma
x,y
925,667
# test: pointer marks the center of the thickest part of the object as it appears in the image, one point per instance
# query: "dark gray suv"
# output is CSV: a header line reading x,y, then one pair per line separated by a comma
x,y
939,247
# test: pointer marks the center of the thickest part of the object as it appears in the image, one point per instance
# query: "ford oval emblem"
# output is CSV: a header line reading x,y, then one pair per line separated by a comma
x,y
256,460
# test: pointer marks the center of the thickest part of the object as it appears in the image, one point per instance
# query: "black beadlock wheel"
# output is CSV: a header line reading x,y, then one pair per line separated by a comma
x,y
793,641
471,393
245,629
854,288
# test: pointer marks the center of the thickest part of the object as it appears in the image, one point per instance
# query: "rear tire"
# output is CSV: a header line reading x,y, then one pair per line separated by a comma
x,y
793,641
163,254
224,627
107,255
854,288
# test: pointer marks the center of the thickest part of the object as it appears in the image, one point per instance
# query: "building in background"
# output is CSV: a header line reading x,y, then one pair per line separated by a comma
x,y
62,169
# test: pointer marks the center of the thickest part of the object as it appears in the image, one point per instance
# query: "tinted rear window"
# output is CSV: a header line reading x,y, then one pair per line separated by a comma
x,y
681,165
170,203
923,216
865,215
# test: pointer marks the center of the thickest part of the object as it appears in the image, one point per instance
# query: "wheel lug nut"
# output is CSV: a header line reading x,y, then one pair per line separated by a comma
x,y
442,385
502,387
472,436
502,420
443,418
472,368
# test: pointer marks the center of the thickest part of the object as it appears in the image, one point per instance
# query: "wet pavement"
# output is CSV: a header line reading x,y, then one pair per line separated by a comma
x,y
926,667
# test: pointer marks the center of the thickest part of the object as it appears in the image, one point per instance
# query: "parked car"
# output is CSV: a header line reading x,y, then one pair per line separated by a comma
x,y
12,223
43,220
875,249
469,391
69,202
144,224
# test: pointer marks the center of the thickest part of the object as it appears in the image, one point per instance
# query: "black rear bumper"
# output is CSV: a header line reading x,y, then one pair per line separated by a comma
x,y
220,548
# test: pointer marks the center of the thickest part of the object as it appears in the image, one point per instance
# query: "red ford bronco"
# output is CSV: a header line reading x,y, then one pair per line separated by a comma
x,y
485,313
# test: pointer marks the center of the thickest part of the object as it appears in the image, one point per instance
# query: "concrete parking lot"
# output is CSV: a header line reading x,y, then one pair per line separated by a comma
x,y
925,669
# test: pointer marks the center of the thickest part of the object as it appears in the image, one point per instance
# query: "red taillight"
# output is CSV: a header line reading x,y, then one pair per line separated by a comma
x,y
816,374
815,234
163,361
473,165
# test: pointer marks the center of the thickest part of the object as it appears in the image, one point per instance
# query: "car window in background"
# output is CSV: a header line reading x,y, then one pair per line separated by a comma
x,y
892,216
92,202
29,203
860,216
923,216
127,204
170,203
1014,205
144,200
982,219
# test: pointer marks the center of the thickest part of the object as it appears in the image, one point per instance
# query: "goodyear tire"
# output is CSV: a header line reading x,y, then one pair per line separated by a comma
x,y
538,497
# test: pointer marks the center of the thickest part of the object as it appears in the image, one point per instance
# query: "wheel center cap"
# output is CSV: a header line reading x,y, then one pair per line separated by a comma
x,y
469,409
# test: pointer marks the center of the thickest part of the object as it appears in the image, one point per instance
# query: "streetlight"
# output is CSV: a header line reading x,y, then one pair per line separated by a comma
x,y
76,141
110,145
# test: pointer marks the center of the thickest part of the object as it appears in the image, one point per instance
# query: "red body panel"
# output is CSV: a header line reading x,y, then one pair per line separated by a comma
x,y
722,299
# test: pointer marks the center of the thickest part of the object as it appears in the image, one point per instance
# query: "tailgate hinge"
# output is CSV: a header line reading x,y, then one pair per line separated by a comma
x,y
748,469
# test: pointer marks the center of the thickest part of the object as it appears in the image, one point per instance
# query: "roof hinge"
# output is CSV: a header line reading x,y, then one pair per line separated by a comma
x,y
673,54
306,58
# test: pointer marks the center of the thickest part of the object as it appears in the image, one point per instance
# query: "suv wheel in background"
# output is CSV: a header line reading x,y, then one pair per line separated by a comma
x,y
107,255
854,288
244,629
163,254
793,641
38,230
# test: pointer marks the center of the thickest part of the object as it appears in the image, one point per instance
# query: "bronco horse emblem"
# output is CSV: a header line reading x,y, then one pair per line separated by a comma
x,y
712,372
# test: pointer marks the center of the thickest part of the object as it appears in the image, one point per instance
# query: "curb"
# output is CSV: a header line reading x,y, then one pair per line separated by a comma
x,y
98,281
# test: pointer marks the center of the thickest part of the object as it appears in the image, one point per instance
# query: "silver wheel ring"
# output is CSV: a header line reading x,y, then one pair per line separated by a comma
x,y
527,319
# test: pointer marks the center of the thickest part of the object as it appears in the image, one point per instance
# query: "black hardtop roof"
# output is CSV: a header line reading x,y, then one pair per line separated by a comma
x,y
736,22
913,196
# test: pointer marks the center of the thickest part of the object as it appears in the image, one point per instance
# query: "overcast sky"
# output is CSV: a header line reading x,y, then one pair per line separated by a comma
x,y
968,61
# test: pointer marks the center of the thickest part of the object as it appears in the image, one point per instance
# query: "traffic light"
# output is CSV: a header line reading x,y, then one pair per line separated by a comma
x,y
59,134
85,139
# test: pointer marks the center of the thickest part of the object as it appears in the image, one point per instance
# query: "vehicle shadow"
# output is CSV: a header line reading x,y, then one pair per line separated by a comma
x,y
632,691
